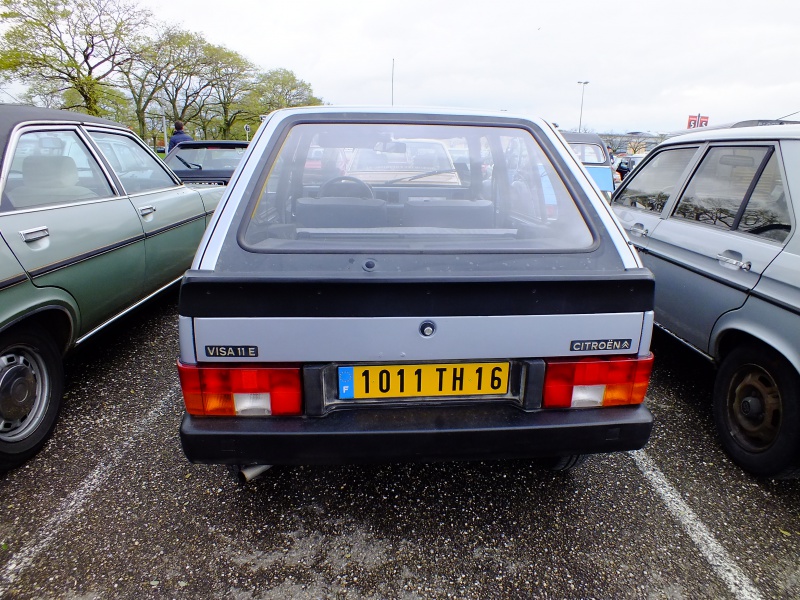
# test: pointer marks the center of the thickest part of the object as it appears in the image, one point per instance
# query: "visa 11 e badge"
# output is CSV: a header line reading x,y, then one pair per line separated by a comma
x,y
232,351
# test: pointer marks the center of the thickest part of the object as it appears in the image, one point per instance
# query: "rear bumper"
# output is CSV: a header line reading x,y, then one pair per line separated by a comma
x,y
419,434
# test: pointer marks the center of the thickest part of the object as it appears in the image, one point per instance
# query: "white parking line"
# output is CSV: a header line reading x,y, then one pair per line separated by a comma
x,y
74,503
738,583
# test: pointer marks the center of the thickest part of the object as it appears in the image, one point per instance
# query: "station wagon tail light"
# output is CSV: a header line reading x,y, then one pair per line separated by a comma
x,y
241,391
594,382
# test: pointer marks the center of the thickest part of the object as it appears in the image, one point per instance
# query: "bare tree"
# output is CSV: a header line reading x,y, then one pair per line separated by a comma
x,y
146,75
188,87
233,77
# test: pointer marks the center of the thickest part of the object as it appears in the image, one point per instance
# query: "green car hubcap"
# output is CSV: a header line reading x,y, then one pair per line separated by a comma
x,y
23,393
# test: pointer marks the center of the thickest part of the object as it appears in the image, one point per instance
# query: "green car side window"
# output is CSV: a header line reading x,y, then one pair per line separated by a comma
x,y
52,167
136,168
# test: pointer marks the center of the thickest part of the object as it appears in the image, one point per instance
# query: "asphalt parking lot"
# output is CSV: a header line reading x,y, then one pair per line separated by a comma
x,y
111,508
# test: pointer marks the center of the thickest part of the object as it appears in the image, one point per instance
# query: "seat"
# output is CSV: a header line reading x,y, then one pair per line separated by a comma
x,y
448,212
48,180
340,212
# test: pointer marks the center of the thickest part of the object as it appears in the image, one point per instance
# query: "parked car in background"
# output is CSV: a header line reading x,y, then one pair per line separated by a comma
x,y
209,162
400,312
404,160
627,163
713,215
591,151
92,223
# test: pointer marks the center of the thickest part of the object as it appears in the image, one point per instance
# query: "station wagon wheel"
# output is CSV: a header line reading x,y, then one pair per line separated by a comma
x,y
756,411
348,184
30,393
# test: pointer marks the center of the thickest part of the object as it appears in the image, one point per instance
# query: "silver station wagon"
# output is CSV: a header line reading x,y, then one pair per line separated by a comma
x,y
408,307
91,224
714,215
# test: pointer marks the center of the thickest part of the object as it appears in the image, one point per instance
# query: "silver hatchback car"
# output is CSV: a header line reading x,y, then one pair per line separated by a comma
x,y
410,309
713,215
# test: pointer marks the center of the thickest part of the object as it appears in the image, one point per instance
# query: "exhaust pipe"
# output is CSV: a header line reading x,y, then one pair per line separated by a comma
x,y
250,472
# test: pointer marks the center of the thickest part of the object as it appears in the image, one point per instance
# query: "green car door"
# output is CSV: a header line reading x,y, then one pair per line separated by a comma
x,y
68,227
171,214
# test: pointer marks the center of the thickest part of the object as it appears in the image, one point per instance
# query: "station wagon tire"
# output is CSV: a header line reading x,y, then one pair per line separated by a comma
x,y
31,382
756,411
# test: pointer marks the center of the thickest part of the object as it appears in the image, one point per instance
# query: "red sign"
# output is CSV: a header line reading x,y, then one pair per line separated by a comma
x,y
697,121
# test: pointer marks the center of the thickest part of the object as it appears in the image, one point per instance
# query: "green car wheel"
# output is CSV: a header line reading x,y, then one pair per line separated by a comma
x,y
31,381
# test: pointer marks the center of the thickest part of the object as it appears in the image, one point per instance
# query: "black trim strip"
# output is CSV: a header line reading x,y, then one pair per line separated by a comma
x,y
419,434
204,296
12,281
172,226
85,256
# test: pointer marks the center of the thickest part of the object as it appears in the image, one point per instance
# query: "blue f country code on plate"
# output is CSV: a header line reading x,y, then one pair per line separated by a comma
x,y
346,383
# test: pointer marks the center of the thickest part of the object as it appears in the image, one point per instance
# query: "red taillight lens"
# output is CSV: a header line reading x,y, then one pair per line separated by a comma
x,y
593,382
243,391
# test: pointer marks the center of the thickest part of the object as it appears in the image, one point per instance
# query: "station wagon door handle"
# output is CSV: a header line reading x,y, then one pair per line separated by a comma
x,y
31,235
147,210
639,230
733,260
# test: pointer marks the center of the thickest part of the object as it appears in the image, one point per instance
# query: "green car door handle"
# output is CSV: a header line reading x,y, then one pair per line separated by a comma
x,y
37,233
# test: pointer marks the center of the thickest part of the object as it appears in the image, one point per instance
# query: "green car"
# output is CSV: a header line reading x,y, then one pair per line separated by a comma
x,y
92,223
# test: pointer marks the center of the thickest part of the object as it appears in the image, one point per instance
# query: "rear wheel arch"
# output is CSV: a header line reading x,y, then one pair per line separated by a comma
x,y
727,341
56,321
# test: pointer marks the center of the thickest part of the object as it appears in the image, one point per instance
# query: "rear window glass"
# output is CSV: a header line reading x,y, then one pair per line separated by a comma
x,y
589,154
400,187
208,158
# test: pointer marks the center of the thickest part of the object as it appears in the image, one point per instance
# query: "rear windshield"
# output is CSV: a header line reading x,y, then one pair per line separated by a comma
x,y
384,187
208,158
589,154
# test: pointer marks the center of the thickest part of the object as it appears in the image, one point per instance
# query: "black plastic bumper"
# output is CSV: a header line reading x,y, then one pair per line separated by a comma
x,y
418,434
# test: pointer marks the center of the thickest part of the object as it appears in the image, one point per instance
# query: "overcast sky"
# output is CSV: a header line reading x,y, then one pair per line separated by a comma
x,y
649,63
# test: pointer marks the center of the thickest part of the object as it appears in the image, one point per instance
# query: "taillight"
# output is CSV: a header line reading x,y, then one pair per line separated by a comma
x,y
593,382
242,391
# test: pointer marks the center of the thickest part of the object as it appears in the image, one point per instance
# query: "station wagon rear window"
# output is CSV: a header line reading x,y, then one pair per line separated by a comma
x,y
411,188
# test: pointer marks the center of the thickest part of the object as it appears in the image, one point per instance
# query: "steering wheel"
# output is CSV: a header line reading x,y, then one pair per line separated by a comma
x,y
355,182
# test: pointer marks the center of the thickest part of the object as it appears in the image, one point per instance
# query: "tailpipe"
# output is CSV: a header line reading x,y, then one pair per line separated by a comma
x,y
250,472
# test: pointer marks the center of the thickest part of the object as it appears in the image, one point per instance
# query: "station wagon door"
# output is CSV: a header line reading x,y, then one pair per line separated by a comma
x,y
727,227
172,215
66,224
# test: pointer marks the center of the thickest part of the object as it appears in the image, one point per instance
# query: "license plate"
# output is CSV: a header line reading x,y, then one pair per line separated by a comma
x,y
423,380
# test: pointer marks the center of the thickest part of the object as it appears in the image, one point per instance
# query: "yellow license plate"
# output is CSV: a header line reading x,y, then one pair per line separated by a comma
x,y
423,380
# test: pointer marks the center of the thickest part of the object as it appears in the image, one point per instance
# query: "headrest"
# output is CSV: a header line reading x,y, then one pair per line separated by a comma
x,y
49,171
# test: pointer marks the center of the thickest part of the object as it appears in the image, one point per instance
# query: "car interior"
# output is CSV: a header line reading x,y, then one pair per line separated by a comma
x,y
393,187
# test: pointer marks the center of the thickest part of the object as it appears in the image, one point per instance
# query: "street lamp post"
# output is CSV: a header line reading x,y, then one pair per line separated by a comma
x,y
583,89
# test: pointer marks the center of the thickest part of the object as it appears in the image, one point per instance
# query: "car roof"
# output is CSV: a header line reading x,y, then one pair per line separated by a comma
x,y
476,113
12,115
214,143
572,136
739,133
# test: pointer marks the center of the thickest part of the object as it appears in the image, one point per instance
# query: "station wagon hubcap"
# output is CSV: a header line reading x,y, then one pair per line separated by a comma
x,y
22,393
754,408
